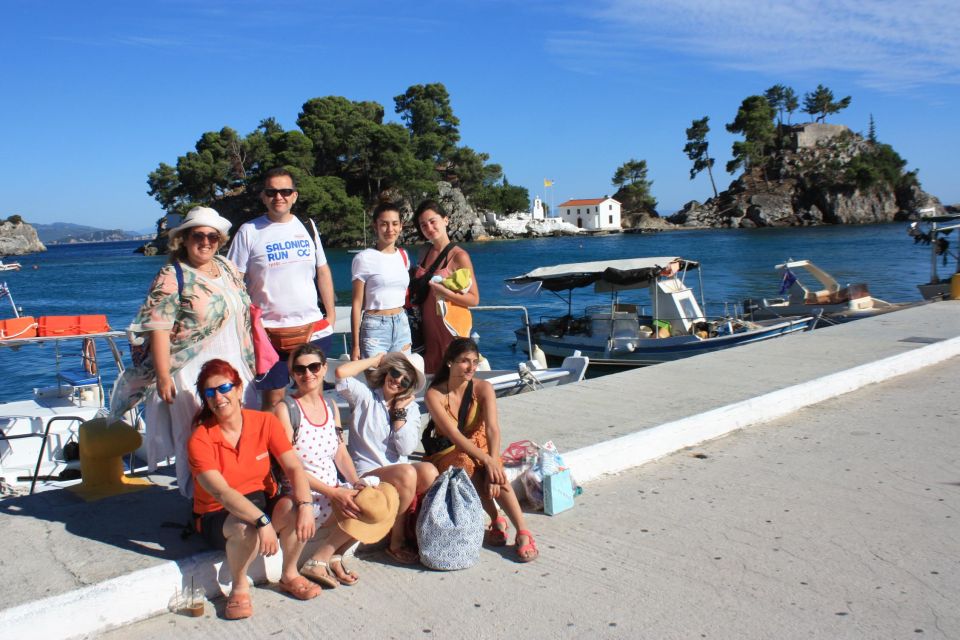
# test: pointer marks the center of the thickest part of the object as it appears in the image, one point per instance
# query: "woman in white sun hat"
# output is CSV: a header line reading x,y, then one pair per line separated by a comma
x,y
385,429
197,309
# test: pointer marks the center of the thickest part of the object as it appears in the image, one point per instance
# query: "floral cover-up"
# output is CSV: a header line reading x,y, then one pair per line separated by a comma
x,y
199,315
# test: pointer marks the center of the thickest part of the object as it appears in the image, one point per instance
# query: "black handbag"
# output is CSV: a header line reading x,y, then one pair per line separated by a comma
x,y
432,441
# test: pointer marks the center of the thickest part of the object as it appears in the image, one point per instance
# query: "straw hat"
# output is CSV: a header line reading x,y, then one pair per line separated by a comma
x,y
378,506
203,217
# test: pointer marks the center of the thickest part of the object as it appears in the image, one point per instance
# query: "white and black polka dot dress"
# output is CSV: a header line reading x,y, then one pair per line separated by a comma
x,y
317,445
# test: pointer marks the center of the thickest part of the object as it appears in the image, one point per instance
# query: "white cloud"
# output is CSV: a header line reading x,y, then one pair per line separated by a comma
x,y
884,44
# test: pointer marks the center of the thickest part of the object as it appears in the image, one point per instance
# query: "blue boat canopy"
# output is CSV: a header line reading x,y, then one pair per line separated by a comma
x,y
607,275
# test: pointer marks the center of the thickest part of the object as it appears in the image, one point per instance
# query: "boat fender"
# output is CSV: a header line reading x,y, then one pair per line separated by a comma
x,y
539,356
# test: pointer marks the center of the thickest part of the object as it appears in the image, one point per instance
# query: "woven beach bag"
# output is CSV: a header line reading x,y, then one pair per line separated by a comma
x,y
450,524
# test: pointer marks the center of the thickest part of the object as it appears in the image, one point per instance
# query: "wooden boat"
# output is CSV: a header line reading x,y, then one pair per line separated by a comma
x,y
624,335
831,302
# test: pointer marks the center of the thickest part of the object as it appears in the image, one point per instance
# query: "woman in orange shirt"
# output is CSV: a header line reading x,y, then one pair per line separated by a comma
x,y
236,498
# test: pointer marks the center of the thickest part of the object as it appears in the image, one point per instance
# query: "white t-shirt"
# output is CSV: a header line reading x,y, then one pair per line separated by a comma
x,y
279,261
385,278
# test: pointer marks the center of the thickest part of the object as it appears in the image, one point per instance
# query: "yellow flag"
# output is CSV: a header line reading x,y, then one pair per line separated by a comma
x,y
547,183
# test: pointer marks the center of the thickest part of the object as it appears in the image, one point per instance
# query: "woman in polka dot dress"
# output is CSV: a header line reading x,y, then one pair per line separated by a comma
x,y
320,448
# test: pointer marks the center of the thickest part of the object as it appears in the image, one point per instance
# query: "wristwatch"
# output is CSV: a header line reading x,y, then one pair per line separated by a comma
x,y
262,521
398,414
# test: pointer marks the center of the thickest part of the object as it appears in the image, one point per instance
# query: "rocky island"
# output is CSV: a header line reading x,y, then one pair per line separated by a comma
x,y
824,174
18,238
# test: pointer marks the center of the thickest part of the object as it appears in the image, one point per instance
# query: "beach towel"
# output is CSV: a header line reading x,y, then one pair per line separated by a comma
x,y
456,319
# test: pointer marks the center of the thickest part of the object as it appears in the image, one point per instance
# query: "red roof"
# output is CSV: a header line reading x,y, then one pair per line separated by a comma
x,y
584,202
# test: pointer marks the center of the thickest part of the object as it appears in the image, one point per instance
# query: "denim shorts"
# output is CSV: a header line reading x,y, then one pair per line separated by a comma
x,y
279,375
383,334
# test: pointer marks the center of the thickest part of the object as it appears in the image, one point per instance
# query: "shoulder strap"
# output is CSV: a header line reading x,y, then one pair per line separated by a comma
x,y
293,407
315,236
403,254
436,263
465,405
179,271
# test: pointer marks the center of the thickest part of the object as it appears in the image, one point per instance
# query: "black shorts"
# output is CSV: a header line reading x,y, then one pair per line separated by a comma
x,y
210,525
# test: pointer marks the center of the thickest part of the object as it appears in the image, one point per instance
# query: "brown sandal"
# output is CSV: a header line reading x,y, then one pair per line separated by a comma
x,y
238,606
300,588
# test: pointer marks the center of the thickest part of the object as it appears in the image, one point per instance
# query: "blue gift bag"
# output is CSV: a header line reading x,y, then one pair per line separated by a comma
x,y
557,492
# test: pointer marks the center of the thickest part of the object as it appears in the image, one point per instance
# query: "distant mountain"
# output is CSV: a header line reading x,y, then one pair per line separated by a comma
x,y
67,233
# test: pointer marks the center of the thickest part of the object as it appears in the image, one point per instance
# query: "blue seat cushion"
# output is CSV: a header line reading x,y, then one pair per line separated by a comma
x,y
78,377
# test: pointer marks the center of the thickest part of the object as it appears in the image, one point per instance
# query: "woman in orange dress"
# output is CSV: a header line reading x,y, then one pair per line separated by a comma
x,y
432,222
476,449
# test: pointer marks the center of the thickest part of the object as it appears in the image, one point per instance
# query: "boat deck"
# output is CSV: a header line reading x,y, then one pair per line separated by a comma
x,y
108,563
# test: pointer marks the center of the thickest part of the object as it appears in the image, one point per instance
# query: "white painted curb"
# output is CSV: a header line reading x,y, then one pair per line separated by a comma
x,y
146,593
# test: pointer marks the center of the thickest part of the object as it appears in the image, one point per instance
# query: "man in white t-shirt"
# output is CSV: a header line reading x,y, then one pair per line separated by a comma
x,y
284,265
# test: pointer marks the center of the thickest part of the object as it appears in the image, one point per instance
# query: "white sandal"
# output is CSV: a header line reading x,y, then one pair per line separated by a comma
x,y
326,579
347,583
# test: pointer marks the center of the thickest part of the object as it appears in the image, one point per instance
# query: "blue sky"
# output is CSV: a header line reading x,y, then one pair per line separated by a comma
x,y
96,94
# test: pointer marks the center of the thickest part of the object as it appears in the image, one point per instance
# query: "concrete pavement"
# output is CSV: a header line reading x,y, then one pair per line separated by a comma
x,y
838,521
113,562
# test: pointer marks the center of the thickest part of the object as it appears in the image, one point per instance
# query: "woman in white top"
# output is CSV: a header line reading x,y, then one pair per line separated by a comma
x,y
385,429
380,279
317,442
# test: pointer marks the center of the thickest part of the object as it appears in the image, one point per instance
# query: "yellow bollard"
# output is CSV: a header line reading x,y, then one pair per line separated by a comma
x,y
955,287
102,447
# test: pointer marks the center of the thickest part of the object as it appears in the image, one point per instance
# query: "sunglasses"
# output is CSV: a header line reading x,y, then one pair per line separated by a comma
x,y
199,236
223,390
272,193
313,367
402,380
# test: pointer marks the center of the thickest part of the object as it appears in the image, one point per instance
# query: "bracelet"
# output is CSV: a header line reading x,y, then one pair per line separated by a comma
x,y
300,503
398,414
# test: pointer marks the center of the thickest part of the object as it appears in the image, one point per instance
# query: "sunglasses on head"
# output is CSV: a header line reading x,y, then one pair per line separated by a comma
x,y
272,193
402,380
199,236
223,390
313,367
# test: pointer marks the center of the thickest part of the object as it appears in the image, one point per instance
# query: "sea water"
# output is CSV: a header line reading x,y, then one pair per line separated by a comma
x,y
110,279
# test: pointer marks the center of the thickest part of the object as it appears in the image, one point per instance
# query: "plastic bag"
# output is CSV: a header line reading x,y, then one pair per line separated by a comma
x,y
548,462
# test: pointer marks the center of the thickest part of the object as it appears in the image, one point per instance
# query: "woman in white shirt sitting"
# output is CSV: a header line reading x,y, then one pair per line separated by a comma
x,y
385,429
380,279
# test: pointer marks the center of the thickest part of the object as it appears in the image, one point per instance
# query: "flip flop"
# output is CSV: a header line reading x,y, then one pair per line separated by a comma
x,y
350,578
495,536
524,552
300,588
403,555
319,572
238,607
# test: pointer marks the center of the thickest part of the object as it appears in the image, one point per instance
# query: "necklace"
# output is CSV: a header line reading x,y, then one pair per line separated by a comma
x,y
209,269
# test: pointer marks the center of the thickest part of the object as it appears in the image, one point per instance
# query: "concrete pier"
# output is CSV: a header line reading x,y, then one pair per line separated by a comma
x,y
835,497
